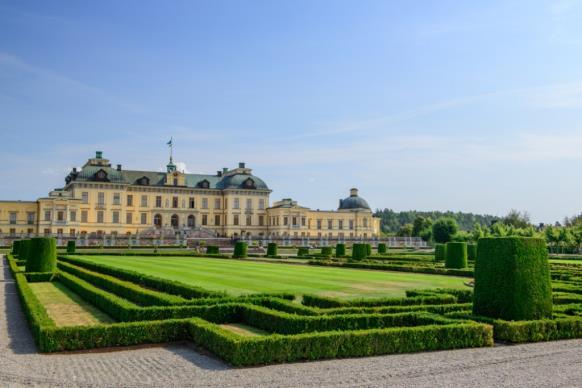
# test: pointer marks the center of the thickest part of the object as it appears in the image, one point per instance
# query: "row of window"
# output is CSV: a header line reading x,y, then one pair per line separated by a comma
x,y
174,204
274,221
13,218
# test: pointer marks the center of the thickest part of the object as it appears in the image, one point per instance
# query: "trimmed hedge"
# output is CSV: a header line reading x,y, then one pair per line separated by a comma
x,y
272,249
302,251
472,251
42,255
71,247
368,250
240,250
340,249
15,247
326,251
382,249
212,250
440,252
25,247
456,255
359,251
327,302
512,279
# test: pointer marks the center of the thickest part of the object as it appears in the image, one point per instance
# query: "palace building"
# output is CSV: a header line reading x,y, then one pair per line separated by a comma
x,y
100,200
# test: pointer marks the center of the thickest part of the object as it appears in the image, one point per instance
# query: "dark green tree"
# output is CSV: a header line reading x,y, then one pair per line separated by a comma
x,y
444,229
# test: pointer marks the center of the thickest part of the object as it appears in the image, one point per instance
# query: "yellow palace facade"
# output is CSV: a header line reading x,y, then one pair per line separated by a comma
x,y
100,200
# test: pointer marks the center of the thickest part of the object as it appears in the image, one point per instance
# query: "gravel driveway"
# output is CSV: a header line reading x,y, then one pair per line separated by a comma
x,y
553,364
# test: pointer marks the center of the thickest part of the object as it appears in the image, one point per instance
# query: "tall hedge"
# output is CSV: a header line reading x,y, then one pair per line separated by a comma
x,y
382,248
512,279
24,249
240,249
359,251
340,250
456,255
472,251
15,247
272,249
42,255
368,250
71,246
326,251
440,252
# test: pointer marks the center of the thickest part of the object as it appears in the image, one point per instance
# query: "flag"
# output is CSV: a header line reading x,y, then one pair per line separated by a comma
x,y
170,142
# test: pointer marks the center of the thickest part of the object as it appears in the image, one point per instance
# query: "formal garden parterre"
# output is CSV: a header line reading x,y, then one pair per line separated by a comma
x,y
129,307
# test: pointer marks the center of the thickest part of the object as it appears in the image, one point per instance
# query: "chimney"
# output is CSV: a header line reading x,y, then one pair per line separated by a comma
x,y
353,192
224,170
74,169
241,165
218,173
98,154
119,167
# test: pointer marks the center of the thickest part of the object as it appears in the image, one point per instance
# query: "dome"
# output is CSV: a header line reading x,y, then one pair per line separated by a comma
x,y
353,202
242,181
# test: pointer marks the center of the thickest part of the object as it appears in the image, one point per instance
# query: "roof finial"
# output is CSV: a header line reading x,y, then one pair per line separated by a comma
x,y
171,166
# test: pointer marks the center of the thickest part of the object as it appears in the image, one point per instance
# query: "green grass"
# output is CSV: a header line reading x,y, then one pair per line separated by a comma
x,y
243,277
67,308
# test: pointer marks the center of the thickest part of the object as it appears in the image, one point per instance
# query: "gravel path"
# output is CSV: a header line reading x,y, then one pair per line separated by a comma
x,y
554,364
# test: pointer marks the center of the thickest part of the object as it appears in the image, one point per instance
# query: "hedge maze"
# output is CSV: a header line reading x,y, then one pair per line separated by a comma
x,y
148,310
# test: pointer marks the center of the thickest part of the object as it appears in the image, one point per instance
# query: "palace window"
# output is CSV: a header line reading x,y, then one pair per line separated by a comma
x,y
205,219
329,224
204,203
302,221
12,218
60,216
47,215
191,221
261,220
100,216
249,203
115,217
159,201
340,224
175,202
130,200
319,225
235,219
73,216
47,232
158,220
144,201
285,220
128,218
261,204
351,224
217,203
84,216
236,204
175,181
249,221
117,199
144,218
217,220
85,197
294,219
101,198
191,203
30,218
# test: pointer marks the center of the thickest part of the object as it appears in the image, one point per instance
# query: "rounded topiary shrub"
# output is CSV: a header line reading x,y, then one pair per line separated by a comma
x,y
512,279
472,251
456,256
240,250
272,249
340,250
359,251
302,251
42,255
382,248
212,250
327,251
71,246
440,252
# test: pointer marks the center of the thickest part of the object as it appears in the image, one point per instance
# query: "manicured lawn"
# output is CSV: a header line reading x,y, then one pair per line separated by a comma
x,y
67,308
244,277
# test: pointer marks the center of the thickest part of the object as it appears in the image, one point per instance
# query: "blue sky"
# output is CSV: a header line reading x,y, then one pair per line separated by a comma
x,y
467,106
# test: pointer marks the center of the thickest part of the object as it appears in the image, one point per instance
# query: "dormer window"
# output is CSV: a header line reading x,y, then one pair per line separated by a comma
x,y
249,183
204,184
143,181
101,175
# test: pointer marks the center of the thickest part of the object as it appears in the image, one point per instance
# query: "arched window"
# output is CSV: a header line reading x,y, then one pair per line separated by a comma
x,y
158,220
175,221
191,221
